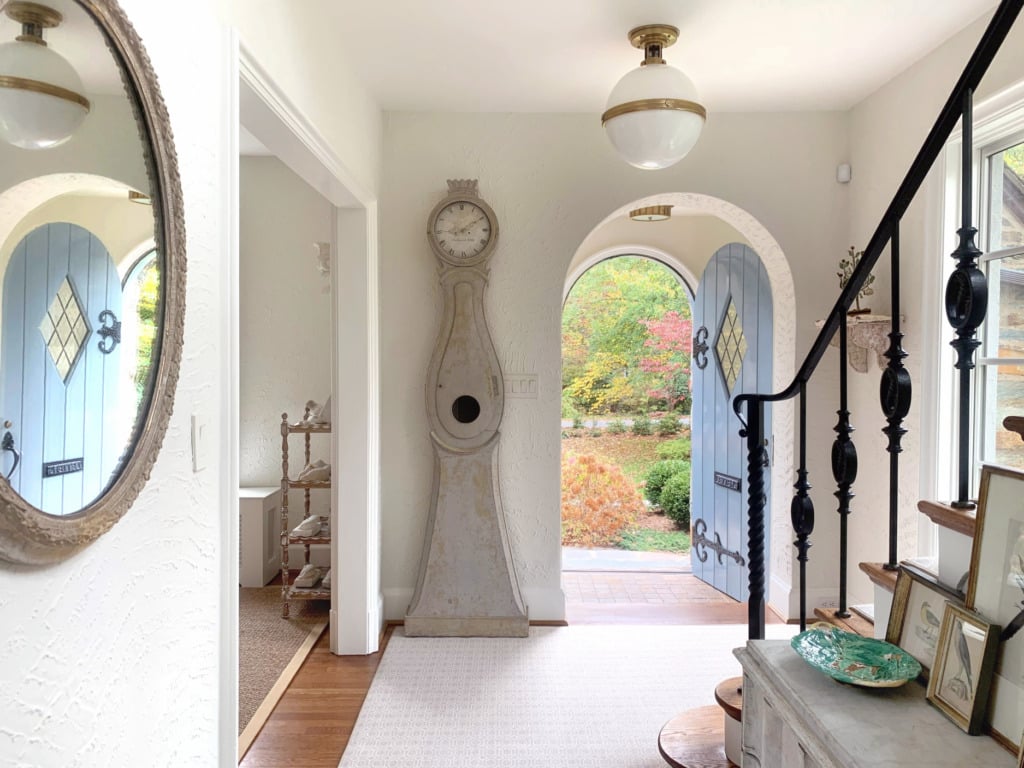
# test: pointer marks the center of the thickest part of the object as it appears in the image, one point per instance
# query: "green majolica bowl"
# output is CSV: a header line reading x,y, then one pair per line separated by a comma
x,y
850,658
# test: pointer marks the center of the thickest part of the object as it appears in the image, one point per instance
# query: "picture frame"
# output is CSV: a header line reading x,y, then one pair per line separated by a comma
x,y
915,618
964,660
995,589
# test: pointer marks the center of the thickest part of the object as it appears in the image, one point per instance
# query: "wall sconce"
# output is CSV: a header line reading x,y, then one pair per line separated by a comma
x,y
652,117
41,101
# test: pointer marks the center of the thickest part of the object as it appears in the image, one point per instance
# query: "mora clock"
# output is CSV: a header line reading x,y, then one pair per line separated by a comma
x,y
467,583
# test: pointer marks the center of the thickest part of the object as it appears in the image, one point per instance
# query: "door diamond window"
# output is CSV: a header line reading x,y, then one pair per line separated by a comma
x,y
65,329
731,346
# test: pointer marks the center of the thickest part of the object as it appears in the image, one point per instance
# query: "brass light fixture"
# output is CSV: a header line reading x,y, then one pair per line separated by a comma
x,y
653,117
651,213
41,101
139,197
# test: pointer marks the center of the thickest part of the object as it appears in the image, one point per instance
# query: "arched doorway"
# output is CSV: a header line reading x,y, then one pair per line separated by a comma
x,y
688,255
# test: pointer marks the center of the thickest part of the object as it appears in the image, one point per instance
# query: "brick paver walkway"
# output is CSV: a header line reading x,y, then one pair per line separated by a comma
x,y
638,587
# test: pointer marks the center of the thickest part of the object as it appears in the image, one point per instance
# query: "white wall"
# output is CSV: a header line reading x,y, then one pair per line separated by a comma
x,y
303,57
886,131
285,318
111,658
691,240
551,179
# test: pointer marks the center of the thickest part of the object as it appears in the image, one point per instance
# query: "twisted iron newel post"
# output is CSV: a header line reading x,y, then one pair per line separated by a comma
x,y
754,432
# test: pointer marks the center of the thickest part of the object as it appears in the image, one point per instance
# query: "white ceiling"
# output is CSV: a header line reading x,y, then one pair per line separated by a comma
x,y
565,55
78,39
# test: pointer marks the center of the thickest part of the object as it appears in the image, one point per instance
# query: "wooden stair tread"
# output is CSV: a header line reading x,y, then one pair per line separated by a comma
x,y
879,576
695,739
729,695
958,520
856,624
1014,424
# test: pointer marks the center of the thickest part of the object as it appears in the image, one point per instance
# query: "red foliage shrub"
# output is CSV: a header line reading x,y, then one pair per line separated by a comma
x,y
598,501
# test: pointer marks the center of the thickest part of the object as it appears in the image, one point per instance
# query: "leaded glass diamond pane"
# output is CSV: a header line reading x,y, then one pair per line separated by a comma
x,y
65,329
731,346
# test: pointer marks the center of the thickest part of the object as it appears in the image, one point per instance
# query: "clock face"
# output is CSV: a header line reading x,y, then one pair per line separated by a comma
x,y
461,229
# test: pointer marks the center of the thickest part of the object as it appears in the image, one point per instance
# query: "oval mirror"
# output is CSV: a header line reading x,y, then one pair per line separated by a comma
x,y
93,274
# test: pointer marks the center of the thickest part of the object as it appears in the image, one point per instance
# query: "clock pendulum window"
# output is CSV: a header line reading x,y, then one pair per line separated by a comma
x,y
467,583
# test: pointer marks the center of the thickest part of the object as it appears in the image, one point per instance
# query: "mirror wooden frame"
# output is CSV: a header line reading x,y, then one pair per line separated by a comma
x,y
28,535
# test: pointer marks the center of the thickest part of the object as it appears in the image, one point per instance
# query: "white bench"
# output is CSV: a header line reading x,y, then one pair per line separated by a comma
x,y
259,534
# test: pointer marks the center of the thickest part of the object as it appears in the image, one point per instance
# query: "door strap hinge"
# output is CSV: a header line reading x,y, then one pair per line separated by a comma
x,y
701,545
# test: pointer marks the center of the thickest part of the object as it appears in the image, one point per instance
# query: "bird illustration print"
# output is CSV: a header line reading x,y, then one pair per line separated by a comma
x,y
928,630
962,684
1017,575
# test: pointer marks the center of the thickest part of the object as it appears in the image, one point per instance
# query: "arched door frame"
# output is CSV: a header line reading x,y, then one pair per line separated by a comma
x,y
780,591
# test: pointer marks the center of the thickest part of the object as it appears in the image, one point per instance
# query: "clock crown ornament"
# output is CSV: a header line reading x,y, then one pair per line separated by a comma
x,y
463,187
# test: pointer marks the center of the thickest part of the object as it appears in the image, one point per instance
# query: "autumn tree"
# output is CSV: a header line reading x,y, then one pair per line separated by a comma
x,y
605,334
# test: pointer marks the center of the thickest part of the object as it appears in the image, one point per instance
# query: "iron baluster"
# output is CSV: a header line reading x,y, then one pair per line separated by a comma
x,y
966,303
844,468
895,394
801,510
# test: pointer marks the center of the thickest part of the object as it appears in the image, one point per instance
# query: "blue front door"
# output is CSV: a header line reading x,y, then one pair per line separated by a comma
x,y
732,354
59,374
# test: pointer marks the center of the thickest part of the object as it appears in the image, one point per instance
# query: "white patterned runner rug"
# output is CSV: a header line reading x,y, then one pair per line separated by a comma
x,y
587,696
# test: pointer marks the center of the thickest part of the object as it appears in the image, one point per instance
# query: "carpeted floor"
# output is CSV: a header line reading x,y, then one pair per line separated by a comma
x,y
267,643
578,696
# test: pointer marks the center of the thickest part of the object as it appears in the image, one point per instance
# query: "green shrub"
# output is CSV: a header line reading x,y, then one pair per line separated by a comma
x,y
641,425
659,474
594,432
577,422
669,424
616,427
675,499
675,449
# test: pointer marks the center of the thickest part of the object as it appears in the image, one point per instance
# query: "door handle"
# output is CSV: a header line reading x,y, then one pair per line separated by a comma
x,y
7,445
110,334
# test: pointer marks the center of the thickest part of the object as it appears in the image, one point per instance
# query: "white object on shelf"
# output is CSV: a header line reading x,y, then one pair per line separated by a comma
x,y
259,540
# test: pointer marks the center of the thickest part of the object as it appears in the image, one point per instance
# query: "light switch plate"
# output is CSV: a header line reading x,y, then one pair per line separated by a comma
x,y
200,442
521,385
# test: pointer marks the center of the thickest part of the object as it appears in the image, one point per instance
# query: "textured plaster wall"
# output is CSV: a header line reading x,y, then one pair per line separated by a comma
x,y
301,53
285,319
111,658
551,180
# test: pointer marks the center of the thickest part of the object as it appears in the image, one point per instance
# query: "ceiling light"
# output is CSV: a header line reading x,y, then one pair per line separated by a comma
x,y
41,101
653,118
651,213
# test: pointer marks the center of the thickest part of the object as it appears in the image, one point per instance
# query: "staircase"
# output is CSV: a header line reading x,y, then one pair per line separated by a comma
x,y
966,301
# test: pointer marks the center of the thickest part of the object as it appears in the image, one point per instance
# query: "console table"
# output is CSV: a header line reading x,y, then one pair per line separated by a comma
x,y
796,717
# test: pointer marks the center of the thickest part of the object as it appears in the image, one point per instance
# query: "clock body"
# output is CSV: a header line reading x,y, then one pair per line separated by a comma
x,y
467,584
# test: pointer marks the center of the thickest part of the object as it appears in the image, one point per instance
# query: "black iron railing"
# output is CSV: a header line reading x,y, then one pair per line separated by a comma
x,y
966,302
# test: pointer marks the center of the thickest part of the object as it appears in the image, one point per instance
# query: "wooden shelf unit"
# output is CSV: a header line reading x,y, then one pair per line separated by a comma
x,y
290,592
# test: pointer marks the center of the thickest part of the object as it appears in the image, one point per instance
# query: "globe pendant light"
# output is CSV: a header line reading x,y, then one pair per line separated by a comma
x,y
653,118
41,101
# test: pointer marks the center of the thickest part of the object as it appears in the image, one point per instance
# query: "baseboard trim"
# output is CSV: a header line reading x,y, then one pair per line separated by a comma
x,y
533,623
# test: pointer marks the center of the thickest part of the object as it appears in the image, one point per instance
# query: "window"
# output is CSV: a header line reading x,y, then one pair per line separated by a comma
x,y
1000,373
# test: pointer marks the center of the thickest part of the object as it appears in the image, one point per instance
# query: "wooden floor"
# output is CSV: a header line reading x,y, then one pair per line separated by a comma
x,y
311,725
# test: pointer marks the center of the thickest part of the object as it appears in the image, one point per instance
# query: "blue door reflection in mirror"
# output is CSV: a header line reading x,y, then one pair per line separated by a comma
x,y
59,390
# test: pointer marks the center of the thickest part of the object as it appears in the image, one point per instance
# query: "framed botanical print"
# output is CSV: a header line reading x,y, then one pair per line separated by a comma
x,y
918,603
962,673
995,589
